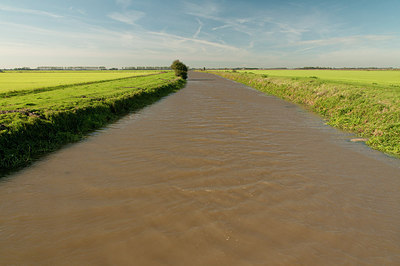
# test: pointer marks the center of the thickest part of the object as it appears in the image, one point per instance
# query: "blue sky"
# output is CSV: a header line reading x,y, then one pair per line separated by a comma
x,y
210,33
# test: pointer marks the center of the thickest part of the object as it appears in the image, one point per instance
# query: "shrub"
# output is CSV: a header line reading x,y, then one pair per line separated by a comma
x,y
180,69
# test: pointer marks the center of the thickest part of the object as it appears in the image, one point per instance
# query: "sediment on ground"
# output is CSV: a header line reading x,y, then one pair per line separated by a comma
x,y
370,112
27,133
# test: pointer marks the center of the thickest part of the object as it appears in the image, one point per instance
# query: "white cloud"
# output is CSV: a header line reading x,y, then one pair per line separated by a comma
x,y
128,17
181,39
29,11
205,9
222,27
210,11
272,40
47,35
88,44
199,29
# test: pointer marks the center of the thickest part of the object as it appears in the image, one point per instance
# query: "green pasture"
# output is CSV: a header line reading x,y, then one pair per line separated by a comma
x,y
75,96
362,77
23,80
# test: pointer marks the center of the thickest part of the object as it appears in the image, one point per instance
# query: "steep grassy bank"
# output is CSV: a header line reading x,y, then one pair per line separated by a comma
x,y
371,112
37,122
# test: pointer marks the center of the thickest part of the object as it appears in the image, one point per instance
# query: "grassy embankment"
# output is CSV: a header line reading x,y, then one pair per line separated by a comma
x,y
366,103
39,120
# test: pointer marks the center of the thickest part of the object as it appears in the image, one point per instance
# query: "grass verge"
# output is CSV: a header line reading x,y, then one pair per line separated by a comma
x,y
33,124
371,112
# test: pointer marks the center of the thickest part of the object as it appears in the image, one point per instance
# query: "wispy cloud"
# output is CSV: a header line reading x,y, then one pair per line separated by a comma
x,y
238,25
78,10
199,29
29,11
222,27
42,36
205,9
198,41
223,33
286,28
127,17
212,12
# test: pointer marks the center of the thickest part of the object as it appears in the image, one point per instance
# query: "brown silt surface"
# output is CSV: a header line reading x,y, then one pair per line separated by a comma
x,y
215,174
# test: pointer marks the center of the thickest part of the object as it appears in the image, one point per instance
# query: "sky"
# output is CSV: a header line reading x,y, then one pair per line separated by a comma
x,y
207,33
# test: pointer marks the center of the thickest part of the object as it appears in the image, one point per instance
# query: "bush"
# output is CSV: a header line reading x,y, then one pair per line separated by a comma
x,y
180,69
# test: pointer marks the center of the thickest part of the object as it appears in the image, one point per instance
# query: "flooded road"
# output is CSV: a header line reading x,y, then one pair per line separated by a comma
x,y
215,174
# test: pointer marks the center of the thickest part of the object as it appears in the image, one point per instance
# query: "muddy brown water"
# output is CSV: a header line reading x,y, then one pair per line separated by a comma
x,y
215,174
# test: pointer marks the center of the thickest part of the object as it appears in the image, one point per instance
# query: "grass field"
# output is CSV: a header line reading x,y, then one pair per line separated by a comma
x,y
371,111
22,80
36,121
362,77
76,96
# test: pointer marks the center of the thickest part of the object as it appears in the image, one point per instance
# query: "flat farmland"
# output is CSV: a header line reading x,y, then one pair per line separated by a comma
x,y
362,77
26,80
78,96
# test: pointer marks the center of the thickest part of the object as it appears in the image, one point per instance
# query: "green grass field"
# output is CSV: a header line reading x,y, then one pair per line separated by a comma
x,y
36,121
22,80
362,77
370,111
75,96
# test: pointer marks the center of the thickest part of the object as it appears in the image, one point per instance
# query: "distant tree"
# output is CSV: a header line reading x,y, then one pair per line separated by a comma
x,y
180,69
